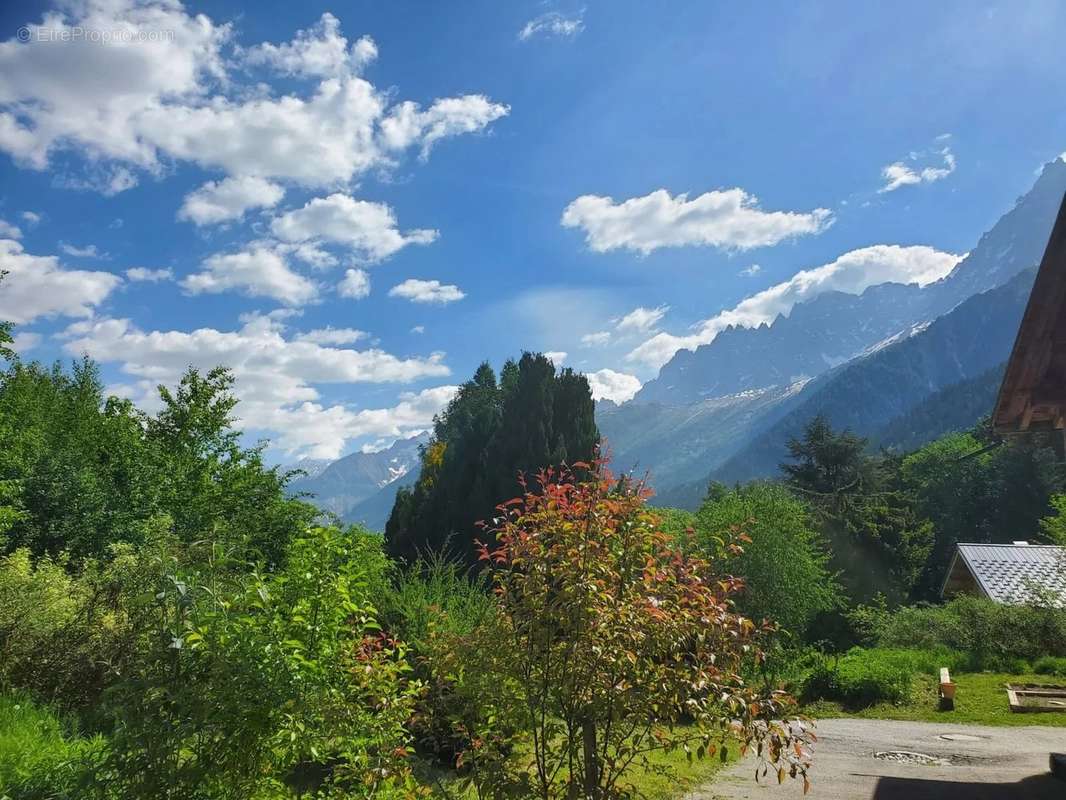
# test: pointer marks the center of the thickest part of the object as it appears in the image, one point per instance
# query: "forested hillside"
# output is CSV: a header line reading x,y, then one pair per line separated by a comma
x,y
954,408
867,394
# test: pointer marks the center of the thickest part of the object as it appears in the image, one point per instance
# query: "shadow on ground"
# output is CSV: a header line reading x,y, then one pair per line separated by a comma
x,y
1036,787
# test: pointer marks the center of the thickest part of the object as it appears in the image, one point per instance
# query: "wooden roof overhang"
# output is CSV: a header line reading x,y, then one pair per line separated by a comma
x,y
1032,397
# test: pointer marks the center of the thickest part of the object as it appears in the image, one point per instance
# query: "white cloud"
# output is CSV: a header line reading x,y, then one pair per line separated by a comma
x,y
853,272
750,272
144,274
407,124
901,173
257,271
606,384
418,330
89,251
314,431
729,219
311,254
145,103
90,95
9,231
331,335
108,181
641,320
597,339
38,286
277,315
369,229
355,284
320,52
418,291
557,357
553,24
275,378
24,341
31,217
225,200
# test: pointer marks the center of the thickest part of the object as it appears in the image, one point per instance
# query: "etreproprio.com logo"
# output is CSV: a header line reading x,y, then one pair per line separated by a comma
x,y
78,33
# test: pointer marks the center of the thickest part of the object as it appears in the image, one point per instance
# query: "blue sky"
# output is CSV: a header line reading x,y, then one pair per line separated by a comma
x,y
353,205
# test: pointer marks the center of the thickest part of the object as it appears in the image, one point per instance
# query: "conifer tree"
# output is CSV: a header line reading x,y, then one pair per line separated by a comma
x,y
490,432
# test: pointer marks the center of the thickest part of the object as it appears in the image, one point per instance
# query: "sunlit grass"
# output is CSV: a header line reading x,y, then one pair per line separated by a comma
x,y
672,774
980,699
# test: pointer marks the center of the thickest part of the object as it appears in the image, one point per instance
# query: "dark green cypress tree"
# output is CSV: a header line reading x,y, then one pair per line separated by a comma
x,y
489,433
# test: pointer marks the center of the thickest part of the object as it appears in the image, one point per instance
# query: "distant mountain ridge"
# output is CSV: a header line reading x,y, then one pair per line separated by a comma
x,y
869,393
722,410
676,442
835,327
898,363
344,484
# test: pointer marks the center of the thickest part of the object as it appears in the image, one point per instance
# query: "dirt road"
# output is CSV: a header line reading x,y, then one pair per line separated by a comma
x,y
858,759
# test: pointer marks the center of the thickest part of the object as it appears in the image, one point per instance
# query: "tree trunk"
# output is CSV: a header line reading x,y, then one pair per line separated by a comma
x,y
591,759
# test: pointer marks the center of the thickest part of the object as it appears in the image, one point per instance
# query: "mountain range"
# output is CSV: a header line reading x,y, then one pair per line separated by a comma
x,y
898,363
881,352
358,486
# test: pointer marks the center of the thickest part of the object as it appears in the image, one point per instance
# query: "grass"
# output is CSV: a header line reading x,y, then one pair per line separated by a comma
x,y
38,758
671,775
683,774
980,699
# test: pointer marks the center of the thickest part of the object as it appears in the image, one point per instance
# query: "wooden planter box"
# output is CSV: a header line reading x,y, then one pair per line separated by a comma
x,y
1029,698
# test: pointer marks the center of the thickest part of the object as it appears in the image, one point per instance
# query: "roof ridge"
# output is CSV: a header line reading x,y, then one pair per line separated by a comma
x,y
1008,544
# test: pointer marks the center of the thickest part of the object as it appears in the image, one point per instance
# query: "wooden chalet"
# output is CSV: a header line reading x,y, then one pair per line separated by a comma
x,y
1032,397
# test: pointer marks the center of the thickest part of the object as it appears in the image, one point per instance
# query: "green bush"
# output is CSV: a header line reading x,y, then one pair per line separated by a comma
x,y
995,637
430,603
783,562
244,682
1050,665
864,677
39,759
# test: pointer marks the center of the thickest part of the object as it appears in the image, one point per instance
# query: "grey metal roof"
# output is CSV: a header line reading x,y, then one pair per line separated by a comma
x,y
1009,573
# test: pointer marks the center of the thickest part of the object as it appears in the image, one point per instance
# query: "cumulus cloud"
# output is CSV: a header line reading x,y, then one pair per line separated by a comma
x,y
331,335
39,286
730,219
31,217
553,23
143,274
88,251
852,272
355,285
419,291
276,378
314,431
750,272
258,271
9,231
597,339
157,99
418,330
606,384
641,320
407,124
310,254
225,200
557,357
24,341
902,173
322,51
369,229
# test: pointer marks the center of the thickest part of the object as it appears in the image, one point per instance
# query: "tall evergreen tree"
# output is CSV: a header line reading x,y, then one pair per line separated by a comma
x,y
489,433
